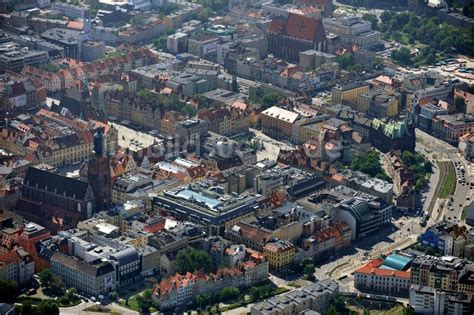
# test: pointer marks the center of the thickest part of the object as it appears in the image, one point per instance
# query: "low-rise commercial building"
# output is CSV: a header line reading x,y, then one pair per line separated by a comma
x,y
14,57
200,205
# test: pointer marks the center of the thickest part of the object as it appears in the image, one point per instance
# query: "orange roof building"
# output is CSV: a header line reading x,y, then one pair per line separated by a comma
x,y
377,275
286,38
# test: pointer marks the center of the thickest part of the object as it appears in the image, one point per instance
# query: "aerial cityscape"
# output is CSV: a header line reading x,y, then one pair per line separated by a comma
x,y
261,157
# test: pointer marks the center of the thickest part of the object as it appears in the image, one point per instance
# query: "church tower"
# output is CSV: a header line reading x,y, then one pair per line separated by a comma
x,y
98,172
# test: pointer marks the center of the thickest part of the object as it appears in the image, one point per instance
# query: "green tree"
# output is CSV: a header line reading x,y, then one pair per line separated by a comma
x,y
369,163
331,311
147,295
408,310
56,286
160,42
346,60
137,21
428,167
8,290
372,18
46,275
65,300
420,183
340,304
190,259
27,308
254,293
47,307
229,293
309,270
402,56
114,295
141,303
189,110
72,293
204,14
270,99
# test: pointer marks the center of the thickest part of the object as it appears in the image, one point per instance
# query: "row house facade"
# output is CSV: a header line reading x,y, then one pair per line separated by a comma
x,y
54,82
178,290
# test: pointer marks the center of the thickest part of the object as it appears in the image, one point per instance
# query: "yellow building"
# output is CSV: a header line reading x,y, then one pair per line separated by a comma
x,y
278,122
378,103
349,93
280,254
310,131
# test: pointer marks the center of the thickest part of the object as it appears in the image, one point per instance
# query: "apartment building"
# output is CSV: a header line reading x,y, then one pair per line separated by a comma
x,y
17,265
441,237
226,121
178,290
378,104
280,254
438,273
326,241
71,10
94,279
53,81
451,127
466,146
349,93
31,234
427,300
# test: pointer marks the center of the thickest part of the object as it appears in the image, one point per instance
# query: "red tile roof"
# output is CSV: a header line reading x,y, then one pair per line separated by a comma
x,y
299,26
372,267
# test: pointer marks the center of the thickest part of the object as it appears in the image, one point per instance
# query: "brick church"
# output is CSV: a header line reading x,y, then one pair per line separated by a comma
x,y
288,37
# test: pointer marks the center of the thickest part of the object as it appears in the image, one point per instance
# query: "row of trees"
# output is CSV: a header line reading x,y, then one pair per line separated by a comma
x,y
419,166
45,307
427,30
427,56
145,302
